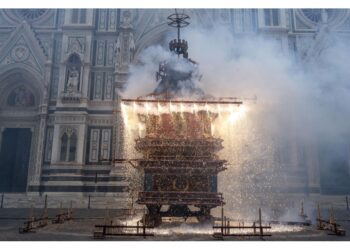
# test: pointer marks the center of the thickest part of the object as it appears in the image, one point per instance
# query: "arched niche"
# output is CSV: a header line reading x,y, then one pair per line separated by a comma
x,y
20,89
73,73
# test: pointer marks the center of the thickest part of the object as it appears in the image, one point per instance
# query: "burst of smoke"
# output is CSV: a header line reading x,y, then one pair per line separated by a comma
x,y
302,106
142,76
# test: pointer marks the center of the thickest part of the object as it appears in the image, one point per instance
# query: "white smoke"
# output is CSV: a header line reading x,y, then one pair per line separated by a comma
x,y
300,104
142,80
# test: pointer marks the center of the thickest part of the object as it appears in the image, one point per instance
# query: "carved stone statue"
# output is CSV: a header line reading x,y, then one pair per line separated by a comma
x,y
73,80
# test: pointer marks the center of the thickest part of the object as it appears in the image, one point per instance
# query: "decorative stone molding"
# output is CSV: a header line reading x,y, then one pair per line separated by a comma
x,y
51,120
22,47
69,130
29,15
313,18
321,15
16,116
54,83
100,121
20,53
125,46
70,119
76,45
70,97
98,103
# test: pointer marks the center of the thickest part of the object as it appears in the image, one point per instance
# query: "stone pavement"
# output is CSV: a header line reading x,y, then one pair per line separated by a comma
x,y
82,226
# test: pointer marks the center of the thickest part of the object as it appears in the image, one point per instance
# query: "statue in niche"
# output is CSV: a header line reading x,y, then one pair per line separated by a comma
x,y
125,46
20,97
73,80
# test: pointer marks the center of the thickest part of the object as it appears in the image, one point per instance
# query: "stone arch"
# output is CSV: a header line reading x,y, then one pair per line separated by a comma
x,y
18,77
71,55
68,144
74,52
23,116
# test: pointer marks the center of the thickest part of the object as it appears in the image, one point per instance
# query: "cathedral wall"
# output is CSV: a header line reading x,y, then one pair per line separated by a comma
x,y
83,56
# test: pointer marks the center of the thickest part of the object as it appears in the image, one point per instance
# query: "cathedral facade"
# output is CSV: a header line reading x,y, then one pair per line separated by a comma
x,y
61,71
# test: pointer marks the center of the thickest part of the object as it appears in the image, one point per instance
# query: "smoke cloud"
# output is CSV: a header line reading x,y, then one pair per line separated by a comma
x,y
302,109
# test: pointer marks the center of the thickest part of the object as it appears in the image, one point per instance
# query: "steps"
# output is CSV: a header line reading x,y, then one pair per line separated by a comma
x,y
94,180
111,201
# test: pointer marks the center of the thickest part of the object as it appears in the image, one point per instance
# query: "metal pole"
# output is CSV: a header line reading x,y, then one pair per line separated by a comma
x,y
45,215
318,216
302,209
260,223
89,203
132,205
144,224
225,225
347,203
31,214
332,216
2,200
228,226
178,32
71,209
222,220
144,231
31,217
45,201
